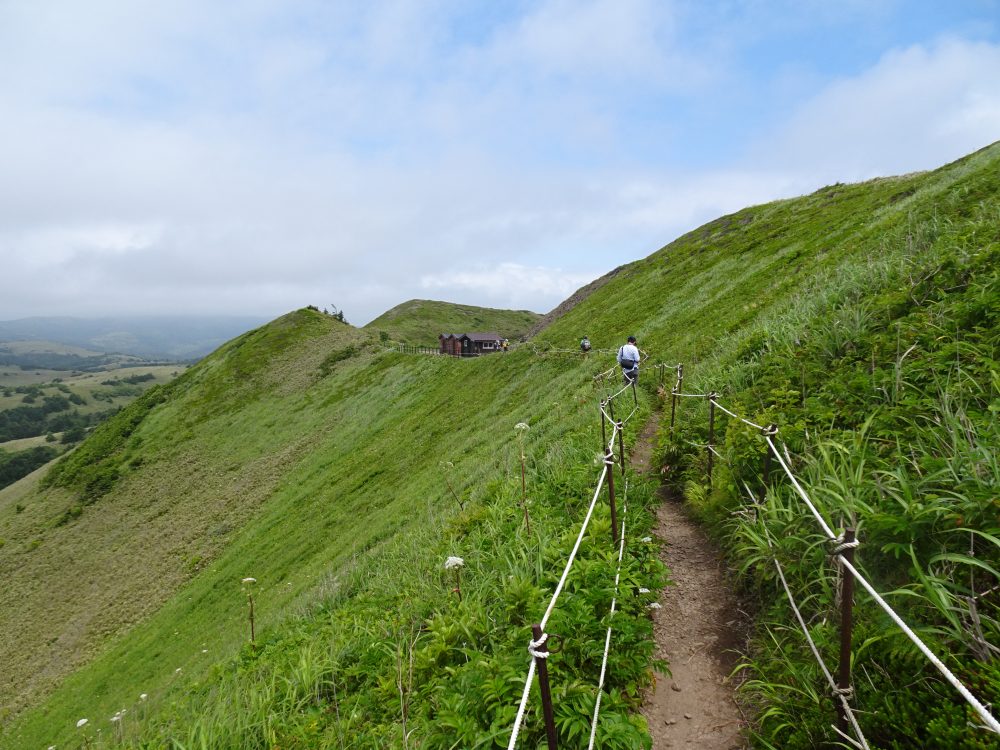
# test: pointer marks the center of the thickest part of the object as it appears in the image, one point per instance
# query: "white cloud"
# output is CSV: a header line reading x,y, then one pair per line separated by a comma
x,y
917,108
192,156
506,283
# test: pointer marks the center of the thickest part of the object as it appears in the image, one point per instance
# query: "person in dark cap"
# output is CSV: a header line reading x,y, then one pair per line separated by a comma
x,y
628,358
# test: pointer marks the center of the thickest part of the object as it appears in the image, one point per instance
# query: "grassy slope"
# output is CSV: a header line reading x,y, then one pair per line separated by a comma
x,y
803,313
707,299
253,464
419,321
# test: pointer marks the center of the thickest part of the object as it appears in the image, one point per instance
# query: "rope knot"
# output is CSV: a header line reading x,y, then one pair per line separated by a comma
x,y
713,395
770,431
534,645
847,693
841,545
609,458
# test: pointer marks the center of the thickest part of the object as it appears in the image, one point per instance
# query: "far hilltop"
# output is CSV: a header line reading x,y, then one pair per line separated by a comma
x,y
419,321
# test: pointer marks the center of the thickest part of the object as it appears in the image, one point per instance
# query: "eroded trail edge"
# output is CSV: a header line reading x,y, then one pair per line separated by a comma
x,y
697,630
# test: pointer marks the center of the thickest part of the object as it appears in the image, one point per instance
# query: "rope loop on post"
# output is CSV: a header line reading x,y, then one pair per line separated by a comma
x,y
846,693
842,545
534,645
712,395
770,431
609,458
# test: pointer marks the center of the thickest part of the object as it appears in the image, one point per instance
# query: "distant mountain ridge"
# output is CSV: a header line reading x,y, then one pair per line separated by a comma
x,y
150,337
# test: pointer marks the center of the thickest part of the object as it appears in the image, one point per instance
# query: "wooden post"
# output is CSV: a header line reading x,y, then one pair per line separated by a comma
x,y
604,431
846,624
673,406
621,444
609,464
711,433
543,686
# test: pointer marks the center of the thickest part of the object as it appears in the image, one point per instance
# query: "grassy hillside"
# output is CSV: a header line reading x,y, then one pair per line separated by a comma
x,y
863,320
303,456
419,322
341,476
42,413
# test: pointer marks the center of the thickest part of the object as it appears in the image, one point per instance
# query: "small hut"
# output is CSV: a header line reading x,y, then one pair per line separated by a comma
x,y
469,344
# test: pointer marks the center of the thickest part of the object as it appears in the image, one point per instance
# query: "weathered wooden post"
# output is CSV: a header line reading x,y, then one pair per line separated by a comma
x,y
846,625
675,394
621,444
604,430
711,433
543,685
609,465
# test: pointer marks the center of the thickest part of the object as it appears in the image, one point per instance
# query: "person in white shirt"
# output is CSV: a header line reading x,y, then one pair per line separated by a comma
x,y
628,358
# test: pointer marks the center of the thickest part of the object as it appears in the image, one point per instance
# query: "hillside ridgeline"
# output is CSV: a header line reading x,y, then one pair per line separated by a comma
x,y
341,476
419,322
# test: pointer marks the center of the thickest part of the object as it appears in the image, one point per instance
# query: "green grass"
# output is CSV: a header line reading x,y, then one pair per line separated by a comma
x,y
306,456
343,493
419,322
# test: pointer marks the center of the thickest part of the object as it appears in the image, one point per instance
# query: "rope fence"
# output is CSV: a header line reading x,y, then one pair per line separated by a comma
x,y
538,648
843,552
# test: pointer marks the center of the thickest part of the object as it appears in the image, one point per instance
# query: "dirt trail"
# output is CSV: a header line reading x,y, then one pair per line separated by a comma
x,y
696,630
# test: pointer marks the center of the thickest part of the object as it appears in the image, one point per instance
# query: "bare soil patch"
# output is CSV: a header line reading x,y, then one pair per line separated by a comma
x,y
698,631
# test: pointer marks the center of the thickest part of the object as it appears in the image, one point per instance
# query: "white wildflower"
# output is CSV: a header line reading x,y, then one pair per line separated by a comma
x,y
454,562
116,717
143,696
521,426
204,651
654,605
249,580
81,723
643,591
646,539
177,671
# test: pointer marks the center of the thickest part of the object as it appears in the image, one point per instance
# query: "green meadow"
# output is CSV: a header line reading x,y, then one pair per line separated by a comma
x,y
861,319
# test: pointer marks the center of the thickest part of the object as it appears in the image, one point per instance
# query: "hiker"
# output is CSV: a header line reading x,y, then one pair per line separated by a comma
x,y
584,345
505,344
628,358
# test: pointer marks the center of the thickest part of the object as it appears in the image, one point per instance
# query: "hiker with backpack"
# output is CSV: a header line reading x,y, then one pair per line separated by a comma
x,y
628,358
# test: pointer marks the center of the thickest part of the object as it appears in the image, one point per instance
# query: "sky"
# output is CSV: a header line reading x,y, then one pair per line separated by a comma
x,y
250,157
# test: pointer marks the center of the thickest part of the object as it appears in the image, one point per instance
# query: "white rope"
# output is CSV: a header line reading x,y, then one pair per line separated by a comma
x,y
520,709
692,395
533,646
991,723
737,416
838,694
607,637
576,547
802,493
620,392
